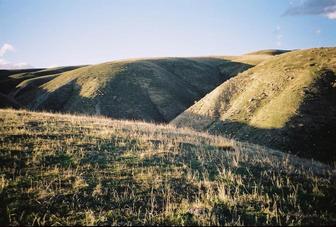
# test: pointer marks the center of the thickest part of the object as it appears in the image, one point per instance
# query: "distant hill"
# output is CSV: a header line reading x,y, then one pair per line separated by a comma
x,y
287,102
7,84
79,170
269,52
9,79
5,73
143,89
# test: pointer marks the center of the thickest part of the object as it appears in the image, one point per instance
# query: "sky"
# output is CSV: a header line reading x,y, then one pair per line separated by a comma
x,y
48,33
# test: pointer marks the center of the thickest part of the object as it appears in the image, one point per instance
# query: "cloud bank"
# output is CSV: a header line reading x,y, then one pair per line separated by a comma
x,y
325,8
4,64
5,48
10,65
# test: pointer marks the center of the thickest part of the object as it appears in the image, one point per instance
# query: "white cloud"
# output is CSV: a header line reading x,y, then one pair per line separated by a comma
x,y
22,65
4,64
332,15
5,48
9,65
325,8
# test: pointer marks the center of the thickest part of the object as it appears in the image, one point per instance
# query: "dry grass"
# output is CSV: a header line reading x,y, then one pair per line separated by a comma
x,y
65,170
143,89
286,102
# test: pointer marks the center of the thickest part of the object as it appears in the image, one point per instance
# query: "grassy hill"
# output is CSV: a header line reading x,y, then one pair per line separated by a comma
x,y
269,52
287,102
145,89
7,83
65,170
9,79
5,73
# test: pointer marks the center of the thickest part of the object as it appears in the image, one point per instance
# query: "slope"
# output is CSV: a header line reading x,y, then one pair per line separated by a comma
x,y
144,89
287,102
9,79
6,101
269,52
77,170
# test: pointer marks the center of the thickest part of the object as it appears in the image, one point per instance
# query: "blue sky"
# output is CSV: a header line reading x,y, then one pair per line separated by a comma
x,y
44,33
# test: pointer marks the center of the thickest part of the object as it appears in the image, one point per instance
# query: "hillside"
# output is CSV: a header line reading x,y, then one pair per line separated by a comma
x,y
269,52
287,102
5,73
9,79
6,102
144,89
67,170
7,83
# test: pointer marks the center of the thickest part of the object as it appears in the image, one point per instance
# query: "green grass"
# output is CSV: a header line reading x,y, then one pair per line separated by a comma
x,y
65,170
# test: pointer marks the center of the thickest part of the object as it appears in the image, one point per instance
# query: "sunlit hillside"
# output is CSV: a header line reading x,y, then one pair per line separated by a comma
x,y
287,102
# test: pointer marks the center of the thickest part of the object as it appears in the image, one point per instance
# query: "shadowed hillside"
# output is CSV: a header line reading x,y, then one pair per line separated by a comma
x,y
77,170
145,89
287,102
9,79
5,73
7,83
6,101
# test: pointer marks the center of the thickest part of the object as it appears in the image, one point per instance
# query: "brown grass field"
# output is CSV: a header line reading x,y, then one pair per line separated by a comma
x,y
59,169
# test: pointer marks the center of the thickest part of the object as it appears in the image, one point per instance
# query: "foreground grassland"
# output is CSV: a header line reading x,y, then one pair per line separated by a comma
x,y
64,170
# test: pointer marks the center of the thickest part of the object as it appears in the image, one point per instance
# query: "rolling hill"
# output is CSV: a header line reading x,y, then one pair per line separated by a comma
x,y
143,89
287,102
58,169
269,52
9,79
